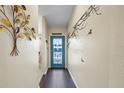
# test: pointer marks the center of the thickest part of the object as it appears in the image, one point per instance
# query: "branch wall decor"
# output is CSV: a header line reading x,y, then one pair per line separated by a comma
x,y
81,23
17,24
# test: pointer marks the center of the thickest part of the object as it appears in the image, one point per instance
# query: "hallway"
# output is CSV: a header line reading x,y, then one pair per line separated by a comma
x,y
87,40
57,78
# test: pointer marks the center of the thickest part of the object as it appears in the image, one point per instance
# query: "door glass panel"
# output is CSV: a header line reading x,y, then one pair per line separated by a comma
x,y
57,48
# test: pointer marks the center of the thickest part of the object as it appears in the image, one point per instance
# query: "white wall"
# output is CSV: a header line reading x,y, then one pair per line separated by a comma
x,y
22,70
43,45
62,30
93,48
102,51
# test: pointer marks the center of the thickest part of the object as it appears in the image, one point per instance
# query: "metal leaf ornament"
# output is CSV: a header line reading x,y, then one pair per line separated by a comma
x,y
1,29
17,26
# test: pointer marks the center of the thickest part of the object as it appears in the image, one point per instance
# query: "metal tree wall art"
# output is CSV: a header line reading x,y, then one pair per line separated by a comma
x,y
16,22
81,23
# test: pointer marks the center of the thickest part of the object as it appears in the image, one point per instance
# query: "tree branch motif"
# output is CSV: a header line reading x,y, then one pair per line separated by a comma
x,y
18,28
81,23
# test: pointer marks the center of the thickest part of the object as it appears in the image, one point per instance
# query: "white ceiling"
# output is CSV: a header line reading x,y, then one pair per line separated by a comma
x,y
56,15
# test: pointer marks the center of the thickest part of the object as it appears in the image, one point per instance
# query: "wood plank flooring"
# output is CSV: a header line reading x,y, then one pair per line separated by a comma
x,y
57,78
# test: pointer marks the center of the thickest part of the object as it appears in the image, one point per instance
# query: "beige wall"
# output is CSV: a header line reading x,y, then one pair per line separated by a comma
x,y
116,76
57,30
43,45
102,51
22,70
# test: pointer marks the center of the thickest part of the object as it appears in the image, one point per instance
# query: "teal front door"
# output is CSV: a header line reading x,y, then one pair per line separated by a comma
x,y
57,51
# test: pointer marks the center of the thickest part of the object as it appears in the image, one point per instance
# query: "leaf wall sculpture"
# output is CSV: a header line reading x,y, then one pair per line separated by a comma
x,y
18,27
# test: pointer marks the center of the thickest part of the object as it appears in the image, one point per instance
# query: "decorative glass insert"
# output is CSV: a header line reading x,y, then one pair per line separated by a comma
x,y
57,48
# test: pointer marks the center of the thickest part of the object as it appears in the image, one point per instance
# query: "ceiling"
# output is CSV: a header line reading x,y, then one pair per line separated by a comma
x,y
56,15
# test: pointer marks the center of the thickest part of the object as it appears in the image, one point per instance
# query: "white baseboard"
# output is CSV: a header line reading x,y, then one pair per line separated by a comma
x,y
41,75
73,79
38,86
46,71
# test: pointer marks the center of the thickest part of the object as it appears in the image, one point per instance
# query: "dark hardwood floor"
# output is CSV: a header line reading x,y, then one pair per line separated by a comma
x,y
57,78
